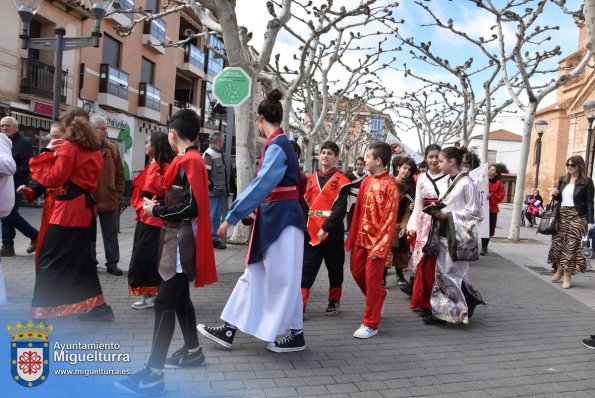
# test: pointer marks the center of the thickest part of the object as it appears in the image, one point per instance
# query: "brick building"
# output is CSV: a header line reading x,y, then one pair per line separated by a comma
x,y
566,133
133,82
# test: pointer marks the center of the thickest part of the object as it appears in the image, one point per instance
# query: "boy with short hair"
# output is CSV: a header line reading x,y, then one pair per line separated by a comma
x,y
186,255
326,204
371,235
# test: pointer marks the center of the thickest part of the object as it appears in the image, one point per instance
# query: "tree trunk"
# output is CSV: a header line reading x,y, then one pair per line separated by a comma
x,y
245,154
589,10
519,194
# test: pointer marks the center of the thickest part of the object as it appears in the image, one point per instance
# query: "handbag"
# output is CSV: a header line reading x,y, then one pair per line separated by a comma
x,y
549,221
432,246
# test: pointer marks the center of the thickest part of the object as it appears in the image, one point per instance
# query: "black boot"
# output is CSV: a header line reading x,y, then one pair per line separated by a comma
x,y
400,278
384,277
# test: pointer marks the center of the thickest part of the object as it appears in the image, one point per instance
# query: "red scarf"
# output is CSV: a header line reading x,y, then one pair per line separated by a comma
x,y
195,169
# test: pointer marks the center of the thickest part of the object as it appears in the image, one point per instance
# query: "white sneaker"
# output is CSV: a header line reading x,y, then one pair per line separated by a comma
x,y
365,332
145,302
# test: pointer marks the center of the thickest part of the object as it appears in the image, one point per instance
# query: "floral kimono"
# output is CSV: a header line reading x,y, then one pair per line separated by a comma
x,y
453,298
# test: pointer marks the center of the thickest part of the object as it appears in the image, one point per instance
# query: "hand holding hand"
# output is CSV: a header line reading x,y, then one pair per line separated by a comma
x,y
21,189
148,206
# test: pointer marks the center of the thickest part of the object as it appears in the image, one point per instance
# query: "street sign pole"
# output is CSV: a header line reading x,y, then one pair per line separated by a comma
x,y
228,143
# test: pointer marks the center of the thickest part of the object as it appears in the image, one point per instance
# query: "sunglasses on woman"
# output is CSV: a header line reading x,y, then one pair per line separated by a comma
x,y
571,165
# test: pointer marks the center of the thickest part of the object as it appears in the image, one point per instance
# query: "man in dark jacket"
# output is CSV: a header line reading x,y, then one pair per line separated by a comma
x,y
110,188
21,152
218,182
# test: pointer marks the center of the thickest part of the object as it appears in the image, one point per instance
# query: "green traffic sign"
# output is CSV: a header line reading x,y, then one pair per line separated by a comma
x,y
232,86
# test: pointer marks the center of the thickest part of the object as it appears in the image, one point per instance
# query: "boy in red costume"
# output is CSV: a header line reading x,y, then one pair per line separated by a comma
x,y
326,204
371,235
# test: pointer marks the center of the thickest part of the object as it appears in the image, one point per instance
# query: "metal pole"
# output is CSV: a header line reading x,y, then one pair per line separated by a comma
x,y
587,155
228,144
60,32
538,162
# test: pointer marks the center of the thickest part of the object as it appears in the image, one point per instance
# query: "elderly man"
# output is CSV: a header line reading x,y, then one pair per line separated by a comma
x,y
21,152
108,195
218,183
7,170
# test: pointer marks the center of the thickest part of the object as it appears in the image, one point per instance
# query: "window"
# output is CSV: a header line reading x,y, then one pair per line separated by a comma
x,y
152,6
376,126
147,71
216,56
111,51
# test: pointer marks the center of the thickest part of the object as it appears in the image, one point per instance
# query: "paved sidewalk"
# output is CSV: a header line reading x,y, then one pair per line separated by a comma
x,y
524,343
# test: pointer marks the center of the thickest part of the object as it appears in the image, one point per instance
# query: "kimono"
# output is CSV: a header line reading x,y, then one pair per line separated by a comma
x,y
66,276
428,189
267,299
453,297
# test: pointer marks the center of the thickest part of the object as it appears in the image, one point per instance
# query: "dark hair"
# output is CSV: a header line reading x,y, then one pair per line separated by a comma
x,y
582,169
79,130
430,148
162,152
405,160
296,148
270,108
360,158
332,146
423,164
381,150
452,152
186,123
498,174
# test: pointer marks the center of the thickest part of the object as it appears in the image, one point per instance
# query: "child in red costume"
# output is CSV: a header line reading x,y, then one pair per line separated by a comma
x,y
371,235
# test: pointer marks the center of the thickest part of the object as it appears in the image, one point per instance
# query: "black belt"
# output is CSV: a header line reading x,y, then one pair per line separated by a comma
x,y
74,191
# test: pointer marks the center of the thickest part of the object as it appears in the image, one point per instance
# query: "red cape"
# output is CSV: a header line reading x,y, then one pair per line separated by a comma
x,y
195,169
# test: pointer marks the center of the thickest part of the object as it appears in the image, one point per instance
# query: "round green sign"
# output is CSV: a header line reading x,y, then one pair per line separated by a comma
x,y
232,86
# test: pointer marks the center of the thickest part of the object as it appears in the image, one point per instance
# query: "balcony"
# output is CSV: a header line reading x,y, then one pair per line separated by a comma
x,y
154,35
38,79
113,87
149,102
122,18
194,62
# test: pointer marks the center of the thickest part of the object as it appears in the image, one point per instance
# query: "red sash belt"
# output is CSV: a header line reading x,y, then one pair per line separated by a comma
x,y
280,194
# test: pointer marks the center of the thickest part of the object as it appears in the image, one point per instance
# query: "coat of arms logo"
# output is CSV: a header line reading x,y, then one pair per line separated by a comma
x,y
29,353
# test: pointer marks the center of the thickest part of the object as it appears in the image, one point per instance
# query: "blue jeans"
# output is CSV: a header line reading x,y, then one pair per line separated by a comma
x,y
14,221
215,203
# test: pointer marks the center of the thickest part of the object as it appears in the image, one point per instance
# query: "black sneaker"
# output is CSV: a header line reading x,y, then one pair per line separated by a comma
x,y
332,308
407,288
589,343
100,314
292,342
222,335
185,359
143,382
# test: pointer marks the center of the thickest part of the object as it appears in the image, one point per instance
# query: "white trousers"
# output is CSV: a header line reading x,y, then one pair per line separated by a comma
x,y
267,299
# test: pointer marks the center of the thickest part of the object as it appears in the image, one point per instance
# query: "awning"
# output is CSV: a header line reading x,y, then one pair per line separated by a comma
x,y
25,119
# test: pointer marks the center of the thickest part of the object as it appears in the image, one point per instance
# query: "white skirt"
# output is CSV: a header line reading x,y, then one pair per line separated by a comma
x,y
267,299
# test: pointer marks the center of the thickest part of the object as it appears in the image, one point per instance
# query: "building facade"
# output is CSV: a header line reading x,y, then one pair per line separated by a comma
x,y
133,81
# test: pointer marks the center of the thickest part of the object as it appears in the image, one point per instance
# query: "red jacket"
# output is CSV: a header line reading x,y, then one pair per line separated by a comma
x,y
496,195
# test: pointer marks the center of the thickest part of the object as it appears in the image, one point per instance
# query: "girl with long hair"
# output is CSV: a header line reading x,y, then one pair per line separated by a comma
x,y
575,194
495,196
143,275
453,298
430,185
66,278
404,169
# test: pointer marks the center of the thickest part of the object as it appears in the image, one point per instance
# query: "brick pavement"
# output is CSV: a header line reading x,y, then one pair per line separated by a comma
x,y
524,343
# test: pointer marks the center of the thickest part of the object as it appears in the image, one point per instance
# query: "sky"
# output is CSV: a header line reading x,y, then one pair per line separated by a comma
x,y
466,17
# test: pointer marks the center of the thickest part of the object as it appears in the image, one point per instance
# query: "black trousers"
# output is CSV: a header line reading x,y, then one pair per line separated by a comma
x,y
493,221
173,299
331,251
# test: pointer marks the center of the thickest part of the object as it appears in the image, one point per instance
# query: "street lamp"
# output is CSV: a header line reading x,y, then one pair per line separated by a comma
x,y
27,10
540,126
589,107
